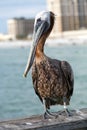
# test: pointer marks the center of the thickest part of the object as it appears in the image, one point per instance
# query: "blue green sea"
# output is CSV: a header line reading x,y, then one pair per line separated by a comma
x,y
17,96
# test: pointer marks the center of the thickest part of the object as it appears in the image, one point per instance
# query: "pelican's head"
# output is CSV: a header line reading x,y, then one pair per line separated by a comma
x,y
43,25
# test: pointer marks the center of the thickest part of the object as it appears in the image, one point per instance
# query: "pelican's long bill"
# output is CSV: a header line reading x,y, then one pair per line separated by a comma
x,y
38,31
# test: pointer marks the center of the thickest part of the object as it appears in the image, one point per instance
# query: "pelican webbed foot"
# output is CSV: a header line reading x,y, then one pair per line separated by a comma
x,y
49,115
65,112
68,113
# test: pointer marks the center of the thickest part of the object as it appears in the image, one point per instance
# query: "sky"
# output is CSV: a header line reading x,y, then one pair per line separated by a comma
x,y
19,8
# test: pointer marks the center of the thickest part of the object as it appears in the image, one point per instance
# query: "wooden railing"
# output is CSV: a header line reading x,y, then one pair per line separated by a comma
x,y
78,121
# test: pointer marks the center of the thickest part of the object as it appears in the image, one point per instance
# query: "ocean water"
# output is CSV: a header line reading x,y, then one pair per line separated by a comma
x,y
17,96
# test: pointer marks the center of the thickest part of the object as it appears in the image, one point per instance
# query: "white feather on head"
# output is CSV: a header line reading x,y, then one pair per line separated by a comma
x,y
44,16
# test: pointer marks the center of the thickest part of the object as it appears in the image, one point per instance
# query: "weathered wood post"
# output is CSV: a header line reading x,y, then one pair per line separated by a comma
x,y
78,121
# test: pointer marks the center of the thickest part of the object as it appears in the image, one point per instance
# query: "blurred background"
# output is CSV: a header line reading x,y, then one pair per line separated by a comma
x,y
68,41
17,18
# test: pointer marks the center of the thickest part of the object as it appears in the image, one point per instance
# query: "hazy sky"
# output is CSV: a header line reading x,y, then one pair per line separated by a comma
x,y
19,8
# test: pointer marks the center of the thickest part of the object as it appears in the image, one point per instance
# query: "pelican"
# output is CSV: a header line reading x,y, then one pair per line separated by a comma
x,y
53,80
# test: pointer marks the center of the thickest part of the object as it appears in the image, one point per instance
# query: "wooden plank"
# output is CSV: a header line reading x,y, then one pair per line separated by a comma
x,y
78,121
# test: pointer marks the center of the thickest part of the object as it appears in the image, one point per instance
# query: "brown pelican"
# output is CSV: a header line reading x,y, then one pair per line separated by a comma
x,y
53,79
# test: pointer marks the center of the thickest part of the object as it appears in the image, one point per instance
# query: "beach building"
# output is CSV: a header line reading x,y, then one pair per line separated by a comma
x,y
20,27
71,15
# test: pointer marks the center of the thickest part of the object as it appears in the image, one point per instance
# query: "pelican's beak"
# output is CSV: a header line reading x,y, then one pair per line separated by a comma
x,y
39,30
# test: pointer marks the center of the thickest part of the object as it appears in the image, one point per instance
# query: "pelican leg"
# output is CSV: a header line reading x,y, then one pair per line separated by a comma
x,y
65,112
47,113
65,107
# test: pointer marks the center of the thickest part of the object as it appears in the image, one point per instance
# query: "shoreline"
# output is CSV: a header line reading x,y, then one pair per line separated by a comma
x,y
51,42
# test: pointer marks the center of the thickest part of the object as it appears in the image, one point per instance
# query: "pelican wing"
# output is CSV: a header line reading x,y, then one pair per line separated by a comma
x,y
68,74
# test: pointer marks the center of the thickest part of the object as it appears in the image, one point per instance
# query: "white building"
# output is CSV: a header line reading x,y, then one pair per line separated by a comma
x,y
20,27
71,15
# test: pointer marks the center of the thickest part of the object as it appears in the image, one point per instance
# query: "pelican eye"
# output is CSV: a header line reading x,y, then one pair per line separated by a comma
x,y
39,20
38,23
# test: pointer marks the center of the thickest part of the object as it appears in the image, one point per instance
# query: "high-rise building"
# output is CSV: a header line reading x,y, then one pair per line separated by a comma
x,y
20,27
70,15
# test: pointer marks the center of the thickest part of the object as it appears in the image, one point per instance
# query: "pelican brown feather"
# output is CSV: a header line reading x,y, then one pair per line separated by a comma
x,y
53,79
